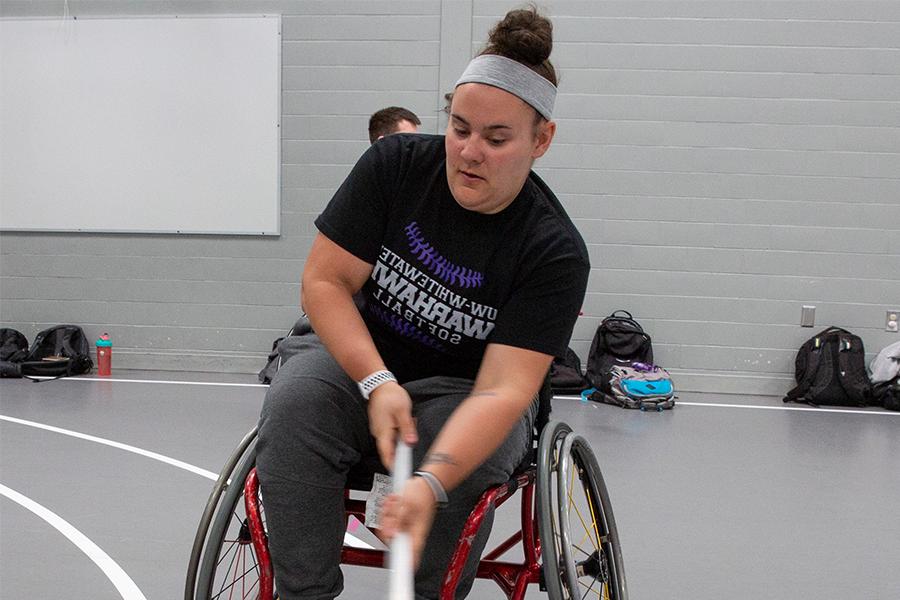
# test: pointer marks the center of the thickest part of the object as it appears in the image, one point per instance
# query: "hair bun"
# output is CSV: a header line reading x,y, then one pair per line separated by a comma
x,y
522,35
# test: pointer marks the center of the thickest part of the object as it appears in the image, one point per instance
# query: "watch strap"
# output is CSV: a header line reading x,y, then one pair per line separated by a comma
x,y
370,382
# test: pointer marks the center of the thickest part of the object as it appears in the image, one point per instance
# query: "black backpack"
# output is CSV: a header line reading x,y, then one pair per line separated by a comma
x,y
887,393
566,376
59,351
830,369
13,349
619,340
13,345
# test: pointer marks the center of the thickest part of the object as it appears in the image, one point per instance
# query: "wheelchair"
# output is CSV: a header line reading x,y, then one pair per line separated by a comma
x,y
570,548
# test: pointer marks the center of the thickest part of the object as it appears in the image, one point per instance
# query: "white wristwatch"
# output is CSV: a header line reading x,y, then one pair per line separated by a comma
x,y
368,385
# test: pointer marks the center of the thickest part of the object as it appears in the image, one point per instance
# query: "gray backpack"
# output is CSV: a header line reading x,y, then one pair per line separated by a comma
x,y
283,348
886,377
886,365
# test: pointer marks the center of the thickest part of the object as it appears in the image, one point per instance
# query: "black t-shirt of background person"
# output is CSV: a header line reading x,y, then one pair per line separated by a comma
x,y
447,281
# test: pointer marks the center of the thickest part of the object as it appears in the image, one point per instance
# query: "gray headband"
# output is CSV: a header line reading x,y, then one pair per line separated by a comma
x,y
513,77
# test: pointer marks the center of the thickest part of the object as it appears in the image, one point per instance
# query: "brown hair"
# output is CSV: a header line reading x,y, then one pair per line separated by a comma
x,y
525,36
384,121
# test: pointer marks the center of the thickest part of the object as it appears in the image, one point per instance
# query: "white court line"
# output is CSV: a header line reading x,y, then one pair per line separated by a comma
x,y
761,407
800,408
118,577
164,381
566,397
119,445
348,538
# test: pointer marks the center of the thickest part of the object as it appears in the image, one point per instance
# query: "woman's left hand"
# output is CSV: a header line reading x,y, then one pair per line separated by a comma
x,y
411,512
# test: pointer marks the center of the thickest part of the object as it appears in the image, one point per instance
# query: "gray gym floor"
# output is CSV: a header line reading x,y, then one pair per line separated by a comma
x,y
723,497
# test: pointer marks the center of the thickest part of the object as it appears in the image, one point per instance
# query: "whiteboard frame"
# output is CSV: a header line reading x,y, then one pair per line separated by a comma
x,y
254,213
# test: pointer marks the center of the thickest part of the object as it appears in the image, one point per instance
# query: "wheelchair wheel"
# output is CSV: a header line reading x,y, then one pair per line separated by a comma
x,y
230,565
579,541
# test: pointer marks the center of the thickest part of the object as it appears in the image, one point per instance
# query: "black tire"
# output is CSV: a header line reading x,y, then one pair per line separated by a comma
x,y
228,567
573,500
209,511
551,436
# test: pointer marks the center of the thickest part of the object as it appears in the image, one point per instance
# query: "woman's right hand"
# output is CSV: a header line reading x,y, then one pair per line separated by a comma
x,y
390,419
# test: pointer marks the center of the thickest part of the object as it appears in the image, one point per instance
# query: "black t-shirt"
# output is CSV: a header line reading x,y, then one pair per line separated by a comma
x,y
447,281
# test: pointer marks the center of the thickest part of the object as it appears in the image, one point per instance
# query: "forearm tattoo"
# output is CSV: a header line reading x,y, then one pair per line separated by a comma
x,y
442,458
435,458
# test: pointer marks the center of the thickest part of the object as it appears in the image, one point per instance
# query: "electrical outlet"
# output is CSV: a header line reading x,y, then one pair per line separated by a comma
x,y
808,316
890,322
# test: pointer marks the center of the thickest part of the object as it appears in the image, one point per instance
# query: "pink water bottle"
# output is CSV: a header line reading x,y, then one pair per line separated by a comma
x,y
104,356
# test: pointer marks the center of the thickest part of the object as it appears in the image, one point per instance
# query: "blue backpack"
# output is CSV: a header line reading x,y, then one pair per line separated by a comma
x,y
638,385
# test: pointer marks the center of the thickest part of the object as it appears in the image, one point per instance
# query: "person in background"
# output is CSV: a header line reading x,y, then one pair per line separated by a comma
x,y
393,119
444,277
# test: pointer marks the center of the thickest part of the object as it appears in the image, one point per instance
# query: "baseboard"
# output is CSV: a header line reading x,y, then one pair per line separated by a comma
x,y
718,382
207,361
725,382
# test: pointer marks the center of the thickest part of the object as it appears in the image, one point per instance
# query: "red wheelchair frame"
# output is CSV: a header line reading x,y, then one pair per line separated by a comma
x,y
513,578
562,491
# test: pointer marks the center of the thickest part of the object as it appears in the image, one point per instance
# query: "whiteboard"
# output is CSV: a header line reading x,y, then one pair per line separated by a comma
x,y
157,124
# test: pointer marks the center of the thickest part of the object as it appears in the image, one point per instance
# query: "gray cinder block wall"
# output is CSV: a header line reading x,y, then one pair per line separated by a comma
x,y
726,161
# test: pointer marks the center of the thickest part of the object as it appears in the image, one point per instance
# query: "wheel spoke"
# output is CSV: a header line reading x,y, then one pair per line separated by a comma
x,y
572,504
593,519
241,559
246,593
238,576
584,538
602,593
231,554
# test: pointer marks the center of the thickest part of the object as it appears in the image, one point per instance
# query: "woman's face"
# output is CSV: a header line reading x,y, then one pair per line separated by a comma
x,y
491,144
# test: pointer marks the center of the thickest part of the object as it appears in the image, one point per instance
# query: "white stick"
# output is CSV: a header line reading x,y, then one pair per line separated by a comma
x,y
401,546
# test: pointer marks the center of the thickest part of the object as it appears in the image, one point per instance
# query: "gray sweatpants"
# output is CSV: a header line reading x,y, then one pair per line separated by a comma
x,y
314,430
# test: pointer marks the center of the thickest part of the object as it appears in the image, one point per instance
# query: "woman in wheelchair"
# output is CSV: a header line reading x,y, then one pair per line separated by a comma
x,y
444,278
